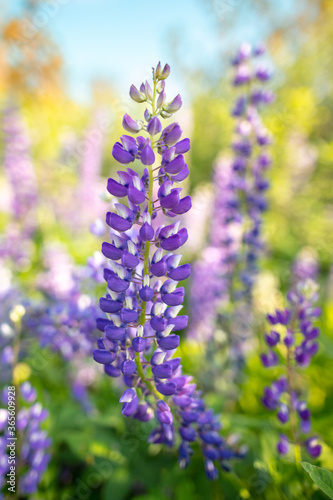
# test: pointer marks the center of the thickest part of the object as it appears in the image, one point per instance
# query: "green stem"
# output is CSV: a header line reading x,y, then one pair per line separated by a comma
x,y
293,417
142,320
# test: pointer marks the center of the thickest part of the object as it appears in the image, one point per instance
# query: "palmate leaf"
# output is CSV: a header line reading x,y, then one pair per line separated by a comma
x,y
321,477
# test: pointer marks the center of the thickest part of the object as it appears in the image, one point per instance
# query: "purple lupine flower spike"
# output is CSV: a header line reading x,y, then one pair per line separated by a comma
x,y
223,279
90,164
21,176
18,166
34,441
298,336
250,163
144,297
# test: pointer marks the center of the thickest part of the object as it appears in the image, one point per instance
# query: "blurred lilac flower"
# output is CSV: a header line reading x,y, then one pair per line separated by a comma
x,y
292,341
90,164
16,244
230,261
33,441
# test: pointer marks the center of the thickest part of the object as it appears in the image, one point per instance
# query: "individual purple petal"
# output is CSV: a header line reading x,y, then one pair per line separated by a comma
x,y
117,285
118,223
158,324
110,251
128,396
116,189
184,205
128,367
183,235
169,343
171,134
131,125
159,269
175,298
147,155
110,306
176,165
283,413
139,344
167,389
130,408
188,433
171,201
179,322
114,332
165,72
122,155
182,146
112,371
162,371
101,323
146,232
180,273
154,126
136,95
174,105
129,260
272,338
172,243
135,195
269,359
128,315
146,293
103,356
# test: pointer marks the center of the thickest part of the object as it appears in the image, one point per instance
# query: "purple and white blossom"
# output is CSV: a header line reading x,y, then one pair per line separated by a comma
x,y
292,341
143,300
250,163
32,442
230,261
19,170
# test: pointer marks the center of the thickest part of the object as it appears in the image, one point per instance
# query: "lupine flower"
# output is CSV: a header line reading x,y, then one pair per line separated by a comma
x,y
143,299
90,153
21,176
57,280
32,440
211,294
250,162
65,320
18,167
229,263
67,325
292,341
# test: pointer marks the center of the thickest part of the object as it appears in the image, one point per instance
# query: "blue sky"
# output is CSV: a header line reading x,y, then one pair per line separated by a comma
x,y
119,40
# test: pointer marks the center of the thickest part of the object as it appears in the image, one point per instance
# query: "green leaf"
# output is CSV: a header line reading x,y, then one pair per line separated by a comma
x,y
321,477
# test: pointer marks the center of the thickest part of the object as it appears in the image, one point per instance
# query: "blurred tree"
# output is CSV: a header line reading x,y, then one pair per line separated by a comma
x,y
32,60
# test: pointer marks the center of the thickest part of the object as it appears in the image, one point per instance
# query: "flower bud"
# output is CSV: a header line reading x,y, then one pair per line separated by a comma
x,y
127,396
174,105
171,134
148,91
161,99
158,70
131,125
136,95
154,126
147,115
147,155
165,114
165,72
